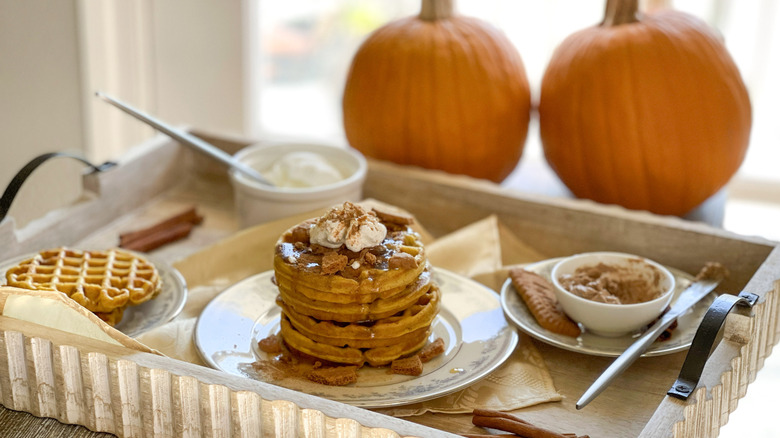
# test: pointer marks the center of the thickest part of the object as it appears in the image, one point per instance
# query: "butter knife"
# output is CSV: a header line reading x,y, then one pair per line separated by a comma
x,y
690,296
188,140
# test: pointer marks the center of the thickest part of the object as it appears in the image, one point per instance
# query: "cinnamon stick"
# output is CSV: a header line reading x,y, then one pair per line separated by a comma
x,y
159,237
172,229
510,423
189,216
487,435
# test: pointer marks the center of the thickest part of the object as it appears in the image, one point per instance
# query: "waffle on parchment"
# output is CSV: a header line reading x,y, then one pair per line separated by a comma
x,y
104,282
377,307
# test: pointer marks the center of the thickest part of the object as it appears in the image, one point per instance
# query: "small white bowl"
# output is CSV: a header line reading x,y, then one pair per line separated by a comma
x,y
611,319
258,203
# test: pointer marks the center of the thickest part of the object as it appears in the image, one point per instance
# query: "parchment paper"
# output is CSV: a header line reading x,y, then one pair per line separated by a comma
x,y
481,251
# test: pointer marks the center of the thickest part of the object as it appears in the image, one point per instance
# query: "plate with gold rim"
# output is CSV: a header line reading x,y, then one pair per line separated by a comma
x,y
476,335
143,317
517,314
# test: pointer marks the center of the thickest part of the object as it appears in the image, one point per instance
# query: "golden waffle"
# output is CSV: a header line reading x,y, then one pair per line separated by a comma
x,y
378,356
298,267
356,312
101,281
113,317
379,333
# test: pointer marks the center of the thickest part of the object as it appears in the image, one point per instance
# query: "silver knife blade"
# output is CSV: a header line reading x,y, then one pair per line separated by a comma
x,y
188,139
690,296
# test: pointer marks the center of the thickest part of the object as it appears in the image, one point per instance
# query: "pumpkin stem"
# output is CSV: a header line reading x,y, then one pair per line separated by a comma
x,y
433,10
620,12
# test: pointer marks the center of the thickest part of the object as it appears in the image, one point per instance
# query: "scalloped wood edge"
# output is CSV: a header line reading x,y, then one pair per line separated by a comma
x,y
444,203
109,388
748,339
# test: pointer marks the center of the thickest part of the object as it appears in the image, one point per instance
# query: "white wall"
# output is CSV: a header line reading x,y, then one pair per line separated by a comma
x,y
40,107
185,61
200,57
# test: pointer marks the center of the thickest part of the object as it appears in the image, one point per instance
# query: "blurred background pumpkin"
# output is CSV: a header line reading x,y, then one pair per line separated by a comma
x,y
440,91
647,111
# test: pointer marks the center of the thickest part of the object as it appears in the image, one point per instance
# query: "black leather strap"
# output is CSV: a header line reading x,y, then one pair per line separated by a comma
x,y
701,347
21,176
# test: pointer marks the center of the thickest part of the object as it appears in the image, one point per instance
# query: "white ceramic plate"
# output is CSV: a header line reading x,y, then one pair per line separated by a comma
x,y
519,315
477,338
153,313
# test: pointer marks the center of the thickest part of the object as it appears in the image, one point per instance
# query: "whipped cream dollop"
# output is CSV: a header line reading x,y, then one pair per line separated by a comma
x,y
302,169
348,225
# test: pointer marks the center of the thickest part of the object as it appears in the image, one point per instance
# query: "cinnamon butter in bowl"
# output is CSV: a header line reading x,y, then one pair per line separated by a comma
x,y
612,293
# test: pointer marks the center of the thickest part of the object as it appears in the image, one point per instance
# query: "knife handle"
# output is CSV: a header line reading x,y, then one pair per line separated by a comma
x,y
628,357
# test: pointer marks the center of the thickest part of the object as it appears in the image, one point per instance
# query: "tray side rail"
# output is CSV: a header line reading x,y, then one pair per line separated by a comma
x,y
748,338
559,227
146,171
113,389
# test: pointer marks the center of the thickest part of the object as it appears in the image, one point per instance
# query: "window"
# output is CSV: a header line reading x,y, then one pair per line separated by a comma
x,y
308,45
276,70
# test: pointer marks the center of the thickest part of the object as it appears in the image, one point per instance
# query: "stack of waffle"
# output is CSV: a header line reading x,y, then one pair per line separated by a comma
x,y
370,306
105,282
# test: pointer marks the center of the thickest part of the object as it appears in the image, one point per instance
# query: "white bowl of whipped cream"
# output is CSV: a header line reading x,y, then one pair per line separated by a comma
x,y
305,177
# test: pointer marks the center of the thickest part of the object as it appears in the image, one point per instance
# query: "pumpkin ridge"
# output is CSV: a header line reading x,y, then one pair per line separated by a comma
x,y
432,148
458,46
651,128
729,95
655,136
627,165
706,167
700,164
586,185
501,105
726,77
576,177
396,114
673,186
409,114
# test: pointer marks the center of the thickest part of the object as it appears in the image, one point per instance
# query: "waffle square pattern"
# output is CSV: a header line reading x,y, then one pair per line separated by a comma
x,y
104,281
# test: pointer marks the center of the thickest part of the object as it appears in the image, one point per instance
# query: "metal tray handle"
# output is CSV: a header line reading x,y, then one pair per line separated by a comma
x,y
704,340
27,170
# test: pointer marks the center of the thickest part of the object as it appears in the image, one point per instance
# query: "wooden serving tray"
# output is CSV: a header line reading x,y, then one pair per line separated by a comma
x,y
114,389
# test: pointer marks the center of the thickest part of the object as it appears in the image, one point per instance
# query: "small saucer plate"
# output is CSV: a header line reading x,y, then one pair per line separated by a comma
x,y
160,310
151,314
517,314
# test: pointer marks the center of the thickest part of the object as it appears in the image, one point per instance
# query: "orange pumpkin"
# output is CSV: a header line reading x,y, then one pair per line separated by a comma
x,y
440,91
645,111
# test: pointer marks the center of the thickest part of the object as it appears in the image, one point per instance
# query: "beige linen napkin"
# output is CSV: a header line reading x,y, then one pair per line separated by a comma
x,y
475,251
